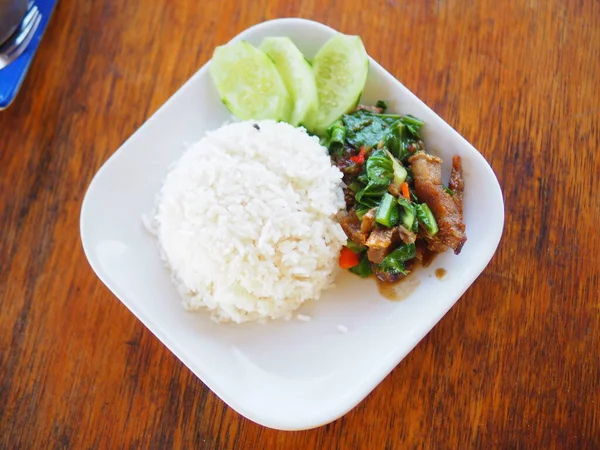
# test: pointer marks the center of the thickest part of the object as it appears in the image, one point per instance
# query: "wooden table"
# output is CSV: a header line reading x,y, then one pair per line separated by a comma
x,y
515,364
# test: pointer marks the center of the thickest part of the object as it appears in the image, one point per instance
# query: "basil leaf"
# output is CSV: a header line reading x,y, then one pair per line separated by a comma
x,y
379,168
394,262
363,269
356,248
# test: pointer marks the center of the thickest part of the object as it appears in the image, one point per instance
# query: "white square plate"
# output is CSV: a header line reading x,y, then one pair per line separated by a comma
x,y
285,375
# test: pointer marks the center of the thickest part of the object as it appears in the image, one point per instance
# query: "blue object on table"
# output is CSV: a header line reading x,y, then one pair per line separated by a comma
x,y
12,76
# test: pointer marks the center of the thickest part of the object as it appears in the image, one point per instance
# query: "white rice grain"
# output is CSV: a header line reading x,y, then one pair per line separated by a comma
x,y
342,328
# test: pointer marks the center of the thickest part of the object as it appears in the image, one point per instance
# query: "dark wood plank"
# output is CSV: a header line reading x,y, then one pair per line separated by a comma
x,y
514,365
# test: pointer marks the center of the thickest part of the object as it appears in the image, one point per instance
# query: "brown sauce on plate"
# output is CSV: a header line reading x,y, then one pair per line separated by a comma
x,y
398,291
440,273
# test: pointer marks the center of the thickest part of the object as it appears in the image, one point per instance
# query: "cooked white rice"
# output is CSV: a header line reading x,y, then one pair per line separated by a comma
x,y
246,221
342,328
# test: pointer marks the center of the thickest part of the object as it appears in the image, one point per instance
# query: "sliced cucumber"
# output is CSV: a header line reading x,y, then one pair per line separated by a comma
x,y
296,73
340,70
249,83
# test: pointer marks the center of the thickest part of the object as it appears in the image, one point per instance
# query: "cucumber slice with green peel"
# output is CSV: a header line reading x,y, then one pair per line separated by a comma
x,y
249,83
296,73
340,69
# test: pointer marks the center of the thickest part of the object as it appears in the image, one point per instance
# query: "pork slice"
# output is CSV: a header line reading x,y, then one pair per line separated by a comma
x,y
352,227
380,244
407,236
394,189
387,277
368,221
427,174
456,183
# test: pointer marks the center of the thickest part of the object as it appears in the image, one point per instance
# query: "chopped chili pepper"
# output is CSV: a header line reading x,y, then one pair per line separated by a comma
x,y
360,158
405,192
348,258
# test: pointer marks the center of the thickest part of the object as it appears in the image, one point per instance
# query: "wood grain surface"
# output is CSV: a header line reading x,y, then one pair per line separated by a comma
x,y
515,364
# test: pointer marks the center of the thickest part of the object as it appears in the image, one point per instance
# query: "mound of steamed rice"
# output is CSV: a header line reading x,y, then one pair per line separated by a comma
x,y
246,221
